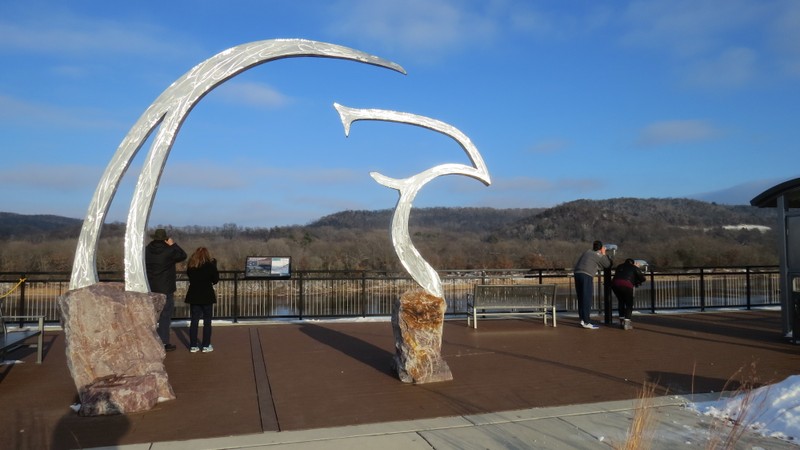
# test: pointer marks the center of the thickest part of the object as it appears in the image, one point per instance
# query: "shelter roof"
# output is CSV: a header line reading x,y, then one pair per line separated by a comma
x,y
769,198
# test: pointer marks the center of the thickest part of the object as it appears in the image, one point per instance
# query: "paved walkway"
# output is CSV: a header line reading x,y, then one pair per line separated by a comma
x,y
517,384
590,426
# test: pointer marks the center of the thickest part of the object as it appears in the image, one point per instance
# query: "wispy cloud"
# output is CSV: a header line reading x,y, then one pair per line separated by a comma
x,y
252,94
549,146
740,194
784,34
675,132
688,27
70,34
13,110
528,184
63,177
423,28
720,43
732,68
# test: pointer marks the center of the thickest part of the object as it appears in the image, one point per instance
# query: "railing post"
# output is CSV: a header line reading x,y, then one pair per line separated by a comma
x,y
702,291
747,286
652,292
301,297
21,300
364,293
607,295
235,297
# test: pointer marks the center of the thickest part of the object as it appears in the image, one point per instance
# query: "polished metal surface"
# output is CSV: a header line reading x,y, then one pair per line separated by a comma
x,y
414,263
167,113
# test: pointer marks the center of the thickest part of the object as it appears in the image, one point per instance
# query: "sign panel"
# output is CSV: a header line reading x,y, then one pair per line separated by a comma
x,y
279,267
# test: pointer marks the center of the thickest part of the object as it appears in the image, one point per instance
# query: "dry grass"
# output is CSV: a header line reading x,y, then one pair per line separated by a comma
x,y
724,433
641,433
727,431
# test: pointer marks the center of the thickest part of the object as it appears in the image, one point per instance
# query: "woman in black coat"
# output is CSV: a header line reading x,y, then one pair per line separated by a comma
x,y
203,275
626,277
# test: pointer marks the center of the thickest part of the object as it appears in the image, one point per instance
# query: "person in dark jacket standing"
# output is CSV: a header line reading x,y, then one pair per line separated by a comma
x,y
585,270
626,276
203,275
161,255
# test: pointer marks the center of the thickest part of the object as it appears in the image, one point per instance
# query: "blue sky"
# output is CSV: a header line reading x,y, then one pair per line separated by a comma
x,y
565,100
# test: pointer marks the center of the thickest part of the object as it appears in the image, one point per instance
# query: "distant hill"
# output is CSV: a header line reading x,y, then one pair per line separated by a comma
x,y
624,219
666,232
28,227
456,219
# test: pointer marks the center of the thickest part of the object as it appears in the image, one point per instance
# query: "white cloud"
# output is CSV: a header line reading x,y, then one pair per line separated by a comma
x,y
66,33
13,110
688,27
67,177
424,28
785,36
528,184
722,43
532,18
739,194
675,132
251,94
550,146
204,175
732,68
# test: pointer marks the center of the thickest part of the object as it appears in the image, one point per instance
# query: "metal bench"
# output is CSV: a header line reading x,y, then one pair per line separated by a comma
x,y
12,340
513,299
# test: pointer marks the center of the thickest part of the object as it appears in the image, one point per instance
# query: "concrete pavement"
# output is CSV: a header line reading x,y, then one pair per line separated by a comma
x,y
587,426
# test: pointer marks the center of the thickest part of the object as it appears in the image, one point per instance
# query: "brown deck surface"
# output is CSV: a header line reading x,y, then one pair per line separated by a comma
x,y
323,374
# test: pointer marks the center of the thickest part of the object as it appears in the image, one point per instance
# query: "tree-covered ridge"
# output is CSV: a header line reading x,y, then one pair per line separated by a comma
x,y
666,232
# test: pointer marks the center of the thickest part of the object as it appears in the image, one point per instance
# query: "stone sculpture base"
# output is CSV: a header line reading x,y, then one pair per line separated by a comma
x,y
114,354
417,322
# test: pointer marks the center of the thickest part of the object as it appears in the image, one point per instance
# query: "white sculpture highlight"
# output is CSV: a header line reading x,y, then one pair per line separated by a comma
x,y
414,263
169,111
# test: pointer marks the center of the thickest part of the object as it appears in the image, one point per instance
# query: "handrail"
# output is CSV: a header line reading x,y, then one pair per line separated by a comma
x,y
359,293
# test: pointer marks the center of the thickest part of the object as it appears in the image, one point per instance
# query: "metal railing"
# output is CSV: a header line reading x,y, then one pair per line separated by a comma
x,y
321,294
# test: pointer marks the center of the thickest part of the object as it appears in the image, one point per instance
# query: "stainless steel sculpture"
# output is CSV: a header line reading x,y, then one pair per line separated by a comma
x,y
414,263
169,111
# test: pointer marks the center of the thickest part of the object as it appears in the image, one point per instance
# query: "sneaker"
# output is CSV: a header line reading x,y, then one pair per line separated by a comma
x,y
627,324
208,349
589,326
169,347
194,349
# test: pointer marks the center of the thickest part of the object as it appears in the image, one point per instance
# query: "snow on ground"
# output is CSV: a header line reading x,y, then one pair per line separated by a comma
x,y
772,410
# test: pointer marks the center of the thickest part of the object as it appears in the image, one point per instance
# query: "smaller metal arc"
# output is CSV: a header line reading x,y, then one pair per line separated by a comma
x,y
419,269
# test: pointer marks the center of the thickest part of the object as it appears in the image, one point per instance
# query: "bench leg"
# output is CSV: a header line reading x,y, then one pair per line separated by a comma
x,y
475,319
554,317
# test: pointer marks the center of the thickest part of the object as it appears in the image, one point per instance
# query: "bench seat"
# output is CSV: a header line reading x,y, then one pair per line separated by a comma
x,y
512,299
11,340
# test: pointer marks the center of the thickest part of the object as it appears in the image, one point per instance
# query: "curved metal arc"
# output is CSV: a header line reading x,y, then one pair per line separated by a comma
x,y
419,269
171,109
349,115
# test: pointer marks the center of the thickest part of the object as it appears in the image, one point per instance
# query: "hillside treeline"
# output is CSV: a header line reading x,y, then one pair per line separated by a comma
x,y
665,232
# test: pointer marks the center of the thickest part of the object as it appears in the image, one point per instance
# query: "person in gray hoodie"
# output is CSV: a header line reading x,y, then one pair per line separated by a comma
x,y
587,266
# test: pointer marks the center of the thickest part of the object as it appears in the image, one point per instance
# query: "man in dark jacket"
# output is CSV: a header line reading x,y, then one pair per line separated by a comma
x,y
585,270
626,276
160,256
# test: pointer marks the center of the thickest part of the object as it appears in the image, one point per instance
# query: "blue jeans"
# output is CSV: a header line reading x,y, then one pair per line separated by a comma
x,y
585,290
165,319
205,312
